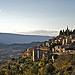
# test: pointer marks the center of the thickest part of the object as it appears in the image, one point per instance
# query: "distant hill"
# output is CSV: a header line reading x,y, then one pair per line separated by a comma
x,y
17,46
6,50
13,44
8,38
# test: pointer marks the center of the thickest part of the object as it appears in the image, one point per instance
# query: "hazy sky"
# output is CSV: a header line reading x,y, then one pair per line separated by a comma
x,y
21,16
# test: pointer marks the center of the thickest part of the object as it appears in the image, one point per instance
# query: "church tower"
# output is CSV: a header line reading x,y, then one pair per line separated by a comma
x,y
67,30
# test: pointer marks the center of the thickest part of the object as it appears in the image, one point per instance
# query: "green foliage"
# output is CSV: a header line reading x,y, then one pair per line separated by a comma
x,y
61,33
50,56
67,32
63,65
73,60
35,69
73,72
49,70
9,67
17,67
12,59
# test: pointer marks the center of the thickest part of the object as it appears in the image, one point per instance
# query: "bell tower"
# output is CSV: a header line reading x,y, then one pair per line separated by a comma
x,y
67,27
67,30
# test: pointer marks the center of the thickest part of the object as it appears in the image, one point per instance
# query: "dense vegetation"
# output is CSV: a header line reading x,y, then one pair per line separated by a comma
x,y
62,65
67,32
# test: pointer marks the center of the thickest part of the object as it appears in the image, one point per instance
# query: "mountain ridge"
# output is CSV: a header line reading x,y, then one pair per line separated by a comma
x,y
10,38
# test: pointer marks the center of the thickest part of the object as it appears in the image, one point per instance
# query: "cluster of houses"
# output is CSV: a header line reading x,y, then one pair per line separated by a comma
x,y
64,42
56,45
37,52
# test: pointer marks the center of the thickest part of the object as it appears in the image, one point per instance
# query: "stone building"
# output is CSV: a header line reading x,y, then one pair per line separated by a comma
x,y
73,40
47,43
37,53
63,42
34,54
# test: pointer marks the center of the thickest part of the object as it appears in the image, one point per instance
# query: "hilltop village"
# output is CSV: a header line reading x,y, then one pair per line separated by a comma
x,y
64,43
53,57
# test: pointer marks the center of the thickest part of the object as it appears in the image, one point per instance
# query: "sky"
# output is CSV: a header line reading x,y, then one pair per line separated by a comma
x,y
36,17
